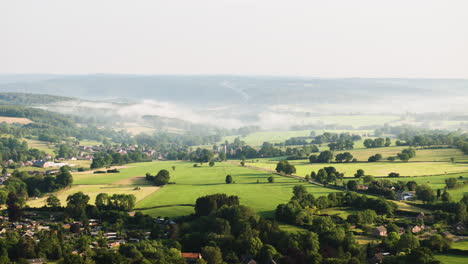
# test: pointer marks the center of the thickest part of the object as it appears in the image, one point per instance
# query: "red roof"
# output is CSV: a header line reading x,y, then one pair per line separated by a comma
x,y
191,255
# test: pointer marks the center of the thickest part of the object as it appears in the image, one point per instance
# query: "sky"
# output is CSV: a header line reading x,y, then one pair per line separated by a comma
x,y
329,38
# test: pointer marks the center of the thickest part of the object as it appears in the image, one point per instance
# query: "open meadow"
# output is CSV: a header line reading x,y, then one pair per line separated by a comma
x,y
190,183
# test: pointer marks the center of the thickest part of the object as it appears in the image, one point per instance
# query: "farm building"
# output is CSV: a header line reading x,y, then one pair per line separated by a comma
x,y
379,231
417,229
191,257
402,195
48,164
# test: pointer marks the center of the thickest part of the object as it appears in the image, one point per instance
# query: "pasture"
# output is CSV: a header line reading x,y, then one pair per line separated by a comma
x,y
15,120
452,259
303,167
250,185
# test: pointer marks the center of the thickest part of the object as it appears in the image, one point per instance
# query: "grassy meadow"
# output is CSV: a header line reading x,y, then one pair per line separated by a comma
x,y
190,183
452,259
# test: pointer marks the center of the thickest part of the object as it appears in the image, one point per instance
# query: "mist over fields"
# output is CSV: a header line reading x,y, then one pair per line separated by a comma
x,y
235,101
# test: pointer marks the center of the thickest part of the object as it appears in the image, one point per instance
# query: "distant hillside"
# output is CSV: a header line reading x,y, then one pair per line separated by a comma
x,y
219,90
29,99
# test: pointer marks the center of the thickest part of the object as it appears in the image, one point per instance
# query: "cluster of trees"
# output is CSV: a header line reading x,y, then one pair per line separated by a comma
x,y
324,157
328,137
232,232
201,155
25,185
12,148
377,143
108,158
161,178
375,158
344,157
285,167
303,207
407,154
119,202
327,175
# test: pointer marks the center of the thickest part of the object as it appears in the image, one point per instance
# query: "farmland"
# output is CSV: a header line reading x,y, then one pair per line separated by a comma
x,y
374,168
15,120
190,183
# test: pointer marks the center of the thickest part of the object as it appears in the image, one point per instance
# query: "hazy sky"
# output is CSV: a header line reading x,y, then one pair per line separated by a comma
x,y
349,38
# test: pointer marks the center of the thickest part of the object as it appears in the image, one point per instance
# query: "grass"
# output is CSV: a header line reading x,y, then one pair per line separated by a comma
x,y
452,259
13,120
90,143
192,183
461,244
428,155
303,167
94,190
342,212
41,145
291,228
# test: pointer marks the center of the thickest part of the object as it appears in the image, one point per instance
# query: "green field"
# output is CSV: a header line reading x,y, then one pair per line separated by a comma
x,y
191,183
373,168
41,145
461,244
452,259
362,154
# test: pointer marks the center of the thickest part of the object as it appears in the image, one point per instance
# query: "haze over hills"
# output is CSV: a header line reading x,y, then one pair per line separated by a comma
x,y
235,101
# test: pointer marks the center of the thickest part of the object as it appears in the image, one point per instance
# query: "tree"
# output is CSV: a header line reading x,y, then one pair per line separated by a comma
x,y
228,179
407,242
325,157
359,173
102,201
425,193
64,178
53,201
344,157
393,175
211,163
212,255
403,156
162,178
271,179
76,205
352,185
375,158
446,197
313,158
451,183
14,210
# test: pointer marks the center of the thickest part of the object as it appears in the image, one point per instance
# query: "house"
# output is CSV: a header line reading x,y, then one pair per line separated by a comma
x,y
403,195
379,231
191,257
362,187
36,260
459,228
48,164
417,229
421,216
248,260
401,231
